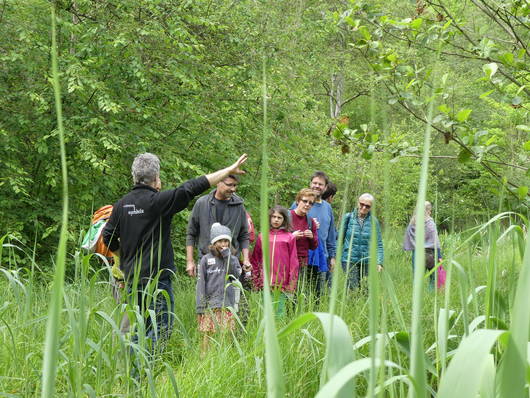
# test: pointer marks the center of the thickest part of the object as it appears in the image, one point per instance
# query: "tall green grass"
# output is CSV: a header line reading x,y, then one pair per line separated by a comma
x,y
273,359
388,342
92,358
51,346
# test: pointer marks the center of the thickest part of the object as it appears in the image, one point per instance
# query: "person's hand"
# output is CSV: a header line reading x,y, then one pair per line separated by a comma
x,y
317,224
308,234
379,267
298,234
236,167
247,266
331,264
190,267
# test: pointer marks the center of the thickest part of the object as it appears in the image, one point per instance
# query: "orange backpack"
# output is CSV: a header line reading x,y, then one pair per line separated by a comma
x,y
93,240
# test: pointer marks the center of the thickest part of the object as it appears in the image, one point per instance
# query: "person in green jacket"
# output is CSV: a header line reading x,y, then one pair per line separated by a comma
x,y
356,244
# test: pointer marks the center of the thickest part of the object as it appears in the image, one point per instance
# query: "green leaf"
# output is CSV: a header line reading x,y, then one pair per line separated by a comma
x,y
464,155
416,23
517,101
348,372
511,378
487,386
463,115
365,33
461,379
507,58
526,145
522,191
340,345
490,69
444,108
484,95
523,127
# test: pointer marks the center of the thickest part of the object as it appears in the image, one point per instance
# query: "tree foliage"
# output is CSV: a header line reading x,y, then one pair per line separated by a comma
x,y
349,85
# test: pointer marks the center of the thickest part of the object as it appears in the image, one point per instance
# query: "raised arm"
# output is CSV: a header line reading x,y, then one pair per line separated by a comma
x,y
219,175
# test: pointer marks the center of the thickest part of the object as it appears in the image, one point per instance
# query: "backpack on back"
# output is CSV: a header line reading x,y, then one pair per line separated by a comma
x,y
93,240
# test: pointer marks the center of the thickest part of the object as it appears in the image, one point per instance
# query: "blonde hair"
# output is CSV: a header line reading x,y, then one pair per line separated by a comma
x,y
305,192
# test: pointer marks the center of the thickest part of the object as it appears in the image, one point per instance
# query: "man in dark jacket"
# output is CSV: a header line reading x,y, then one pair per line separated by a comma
x,y
139,228
221,205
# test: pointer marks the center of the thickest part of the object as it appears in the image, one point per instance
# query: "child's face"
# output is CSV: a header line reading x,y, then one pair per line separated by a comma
x,y
222,244
276,220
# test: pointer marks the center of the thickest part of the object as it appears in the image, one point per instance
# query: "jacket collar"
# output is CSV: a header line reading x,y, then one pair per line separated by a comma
x,y
144,186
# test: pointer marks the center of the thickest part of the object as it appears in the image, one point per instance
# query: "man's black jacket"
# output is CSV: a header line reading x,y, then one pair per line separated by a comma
x,y
140,227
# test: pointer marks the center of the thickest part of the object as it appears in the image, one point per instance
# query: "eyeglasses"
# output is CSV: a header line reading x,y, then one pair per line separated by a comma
x,y
364,205
307,202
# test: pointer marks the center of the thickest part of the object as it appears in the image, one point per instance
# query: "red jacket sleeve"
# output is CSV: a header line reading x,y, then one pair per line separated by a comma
x,y
256,259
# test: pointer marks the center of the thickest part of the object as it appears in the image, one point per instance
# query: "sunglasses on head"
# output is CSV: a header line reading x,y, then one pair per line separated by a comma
x,y
364,205
307,202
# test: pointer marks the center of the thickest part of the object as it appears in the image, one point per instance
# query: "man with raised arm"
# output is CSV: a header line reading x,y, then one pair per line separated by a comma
x,y
139,228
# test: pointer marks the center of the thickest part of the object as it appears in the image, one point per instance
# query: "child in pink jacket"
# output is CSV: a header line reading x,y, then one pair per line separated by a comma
x,y
284,265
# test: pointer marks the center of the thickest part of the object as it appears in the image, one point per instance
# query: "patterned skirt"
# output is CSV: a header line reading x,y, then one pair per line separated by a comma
x,y
215,320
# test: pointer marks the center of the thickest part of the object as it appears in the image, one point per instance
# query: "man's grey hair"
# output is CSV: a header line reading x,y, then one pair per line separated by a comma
x,y
145,168
367,196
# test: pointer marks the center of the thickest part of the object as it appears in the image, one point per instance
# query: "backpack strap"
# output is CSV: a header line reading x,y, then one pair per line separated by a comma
x,y
348,220
309,220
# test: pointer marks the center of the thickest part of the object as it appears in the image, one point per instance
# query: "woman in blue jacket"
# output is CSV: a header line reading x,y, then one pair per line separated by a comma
x,y
356,245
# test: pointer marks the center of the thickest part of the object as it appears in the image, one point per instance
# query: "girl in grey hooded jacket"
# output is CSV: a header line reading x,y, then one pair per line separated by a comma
x,y
216,295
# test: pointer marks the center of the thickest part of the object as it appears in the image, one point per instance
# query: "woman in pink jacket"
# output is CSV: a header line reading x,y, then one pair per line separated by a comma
x,y
284,265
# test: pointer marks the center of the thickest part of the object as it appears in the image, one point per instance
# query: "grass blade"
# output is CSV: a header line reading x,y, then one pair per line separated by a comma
x,y
417,368
513,368
273,359
348,372
51,346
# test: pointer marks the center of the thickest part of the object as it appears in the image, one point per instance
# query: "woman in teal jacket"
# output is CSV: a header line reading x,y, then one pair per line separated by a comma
x,y
356,245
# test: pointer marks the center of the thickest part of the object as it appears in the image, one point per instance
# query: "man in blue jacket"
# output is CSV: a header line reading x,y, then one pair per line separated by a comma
x,y
139,229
